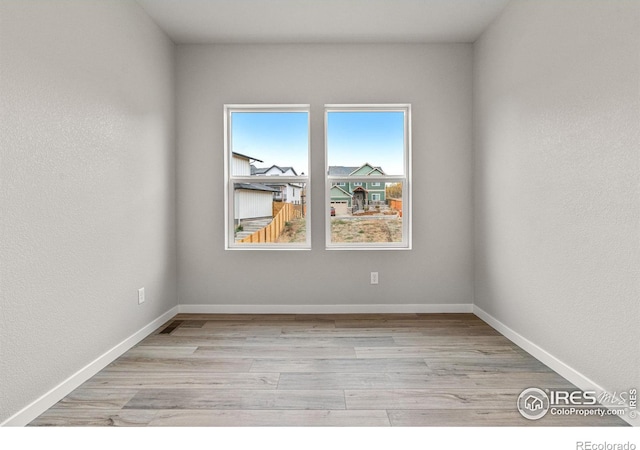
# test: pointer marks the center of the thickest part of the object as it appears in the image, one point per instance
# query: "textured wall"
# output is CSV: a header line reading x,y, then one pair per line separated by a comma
x,y
87,186
435,79
557,117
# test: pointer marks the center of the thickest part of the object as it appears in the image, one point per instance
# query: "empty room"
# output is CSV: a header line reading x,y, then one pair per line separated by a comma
x,y
336,213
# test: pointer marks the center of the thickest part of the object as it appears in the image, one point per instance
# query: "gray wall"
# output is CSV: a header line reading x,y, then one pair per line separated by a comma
x,y
87,186
557,204
435,79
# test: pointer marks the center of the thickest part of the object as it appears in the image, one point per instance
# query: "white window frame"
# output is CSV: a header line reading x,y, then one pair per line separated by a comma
x,y
374,199
383,179
230,179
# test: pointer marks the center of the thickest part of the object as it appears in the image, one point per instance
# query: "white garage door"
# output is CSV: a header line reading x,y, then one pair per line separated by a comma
x,y
341,208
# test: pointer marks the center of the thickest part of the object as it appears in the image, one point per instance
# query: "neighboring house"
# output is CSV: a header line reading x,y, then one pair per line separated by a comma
x,y
251,200
356,195
287,192
273,171
241,164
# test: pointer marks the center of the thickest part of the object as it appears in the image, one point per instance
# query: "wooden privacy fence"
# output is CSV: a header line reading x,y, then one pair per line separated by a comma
x,y
396,203
271,233
298,212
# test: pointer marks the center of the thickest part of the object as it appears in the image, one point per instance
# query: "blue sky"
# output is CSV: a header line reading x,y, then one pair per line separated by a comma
x,y
279,138
353,138
376,137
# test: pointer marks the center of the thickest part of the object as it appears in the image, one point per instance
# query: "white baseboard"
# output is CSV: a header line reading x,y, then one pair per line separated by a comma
x,y
572,375
46,401
327,309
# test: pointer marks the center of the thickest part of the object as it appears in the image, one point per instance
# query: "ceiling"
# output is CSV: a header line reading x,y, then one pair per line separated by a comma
x,y
323,21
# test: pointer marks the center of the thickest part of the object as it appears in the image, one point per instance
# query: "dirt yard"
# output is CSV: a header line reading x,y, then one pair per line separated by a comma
x,y
366,230
348,230
294,232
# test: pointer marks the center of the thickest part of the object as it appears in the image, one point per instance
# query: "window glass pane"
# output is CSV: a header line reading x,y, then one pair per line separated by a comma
x,y
269,213
365,143
363,215
269,143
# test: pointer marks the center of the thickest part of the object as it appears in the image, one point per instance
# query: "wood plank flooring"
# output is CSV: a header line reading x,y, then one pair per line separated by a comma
x,y
316,370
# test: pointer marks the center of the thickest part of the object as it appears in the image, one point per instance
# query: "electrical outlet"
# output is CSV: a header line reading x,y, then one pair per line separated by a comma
x,y
374,277
140,296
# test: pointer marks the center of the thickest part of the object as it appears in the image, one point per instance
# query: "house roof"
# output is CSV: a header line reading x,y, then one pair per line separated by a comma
x,y
376,169
343,171
262,170
245,156
254,187
372,167
300,186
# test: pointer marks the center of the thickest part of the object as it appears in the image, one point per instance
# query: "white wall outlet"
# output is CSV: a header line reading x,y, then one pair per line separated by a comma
x,y
140,296
374,277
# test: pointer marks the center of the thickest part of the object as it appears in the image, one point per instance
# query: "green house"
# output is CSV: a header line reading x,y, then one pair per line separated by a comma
x,y
357,194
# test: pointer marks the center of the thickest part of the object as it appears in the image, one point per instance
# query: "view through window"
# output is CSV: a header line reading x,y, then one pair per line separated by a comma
x,y
368,176
266,167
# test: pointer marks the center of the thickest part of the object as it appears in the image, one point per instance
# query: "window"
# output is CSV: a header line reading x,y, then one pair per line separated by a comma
x,y
364,142
266,186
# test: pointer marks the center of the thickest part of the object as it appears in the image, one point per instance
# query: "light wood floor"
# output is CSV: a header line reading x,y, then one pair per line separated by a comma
x,y
316,370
